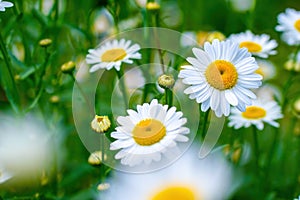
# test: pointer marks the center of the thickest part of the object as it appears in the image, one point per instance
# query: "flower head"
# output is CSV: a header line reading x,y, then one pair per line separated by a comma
x,y
5,4
258,45
45,42
289,24
100,124
68,67
144,135
257,114
166,81
96,158
189,178
113,54
220,76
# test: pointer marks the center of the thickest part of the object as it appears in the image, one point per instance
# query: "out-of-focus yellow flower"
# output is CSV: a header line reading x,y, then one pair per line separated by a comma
x,y
96,158
291,65
45,42
103,186
152,6
68,67
203,36
54,99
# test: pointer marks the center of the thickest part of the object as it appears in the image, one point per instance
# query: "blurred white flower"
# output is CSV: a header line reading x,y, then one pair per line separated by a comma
x,y
289,24
25,147
266,69
5,4
297,198
269,92
102,22
4,175
210,178
242,5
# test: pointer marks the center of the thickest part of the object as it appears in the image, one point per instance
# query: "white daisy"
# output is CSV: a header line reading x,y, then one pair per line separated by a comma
x,y
289,24
190,178
144,135
258,45
221,75
257,114
113,54
5,4
297,198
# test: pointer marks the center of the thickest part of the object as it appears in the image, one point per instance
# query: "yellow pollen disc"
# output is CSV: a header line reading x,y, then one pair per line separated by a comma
x,y
113,55
254,112
175,193
148,132
221,75
251,46
297,25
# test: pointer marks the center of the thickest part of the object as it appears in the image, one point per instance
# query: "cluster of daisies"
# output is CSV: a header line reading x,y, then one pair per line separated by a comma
x,y
223,77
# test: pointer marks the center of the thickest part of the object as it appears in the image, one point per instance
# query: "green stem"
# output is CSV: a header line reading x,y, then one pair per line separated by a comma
x,y
169,97
7,71
256,147
91,108
155,18
202,123
271,152
122,87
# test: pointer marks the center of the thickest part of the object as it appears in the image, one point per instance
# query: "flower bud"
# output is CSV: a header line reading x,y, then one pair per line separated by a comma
x,y
166,81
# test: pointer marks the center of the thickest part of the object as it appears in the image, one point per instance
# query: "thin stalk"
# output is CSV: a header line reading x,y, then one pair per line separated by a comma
x,y
256,147
91,108
202,123
8,67
169,97
290,80
123,87
155,19
271,152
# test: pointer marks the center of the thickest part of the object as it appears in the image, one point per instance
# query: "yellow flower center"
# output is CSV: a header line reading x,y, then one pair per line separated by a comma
x,y
175,193
297,25
251,46
254,112
148,132
221,75
113,55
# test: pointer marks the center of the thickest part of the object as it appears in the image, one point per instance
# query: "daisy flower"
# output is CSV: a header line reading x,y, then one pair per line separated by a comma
x,y
289,24
297,198
258,45
220,76
5,4
189,178
257,114
144,135
113,54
